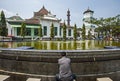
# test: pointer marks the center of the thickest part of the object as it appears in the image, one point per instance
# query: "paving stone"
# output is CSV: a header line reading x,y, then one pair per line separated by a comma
x,y
33,79
104,79
3,77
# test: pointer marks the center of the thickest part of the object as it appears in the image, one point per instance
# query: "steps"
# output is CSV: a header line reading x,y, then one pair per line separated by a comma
x,y
3,77
33,79
7,77
104,79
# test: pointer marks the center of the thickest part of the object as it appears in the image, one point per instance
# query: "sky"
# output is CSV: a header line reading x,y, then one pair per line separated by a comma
x,y
26,8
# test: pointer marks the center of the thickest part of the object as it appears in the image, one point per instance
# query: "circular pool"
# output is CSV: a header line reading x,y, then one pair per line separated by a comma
x,y
86,64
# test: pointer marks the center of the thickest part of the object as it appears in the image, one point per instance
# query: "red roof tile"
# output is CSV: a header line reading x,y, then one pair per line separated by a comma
x,y
41,12
32,21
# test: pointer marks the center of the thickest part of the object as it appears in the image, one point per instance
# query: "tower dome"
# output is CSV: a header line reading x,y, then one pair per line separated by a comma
x,y
88,10
88,15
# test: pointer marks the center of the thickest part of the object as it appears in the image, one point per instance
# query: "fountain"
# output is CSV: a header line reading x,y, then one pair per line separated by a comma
x,y
89,59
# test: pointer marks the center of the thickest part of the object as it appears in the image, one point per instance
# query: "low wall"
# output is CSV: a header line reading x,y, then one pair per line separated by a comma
x,y
87,64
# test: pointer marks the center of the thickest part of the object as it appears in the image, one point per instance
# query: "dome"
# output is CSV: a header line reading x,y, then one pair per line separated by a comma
x,y
88,10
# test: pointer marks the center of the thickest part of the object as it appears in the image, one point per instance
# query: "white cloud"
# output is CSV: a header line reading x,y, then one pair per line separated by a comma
x,y
7,13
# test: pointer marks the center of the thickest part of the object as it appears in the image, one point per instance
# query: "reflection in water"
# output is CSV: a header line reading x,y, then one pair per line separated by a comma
x,y
62,45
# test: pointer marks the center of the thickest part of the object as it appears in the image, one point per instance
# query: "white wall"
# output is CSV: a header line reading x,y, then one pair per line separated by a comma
x,y
48,23
87,15
9,29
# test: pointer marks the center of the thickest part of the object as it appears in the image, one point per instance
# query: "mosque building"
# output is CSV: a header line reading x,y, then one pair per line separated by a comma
x,y
44,18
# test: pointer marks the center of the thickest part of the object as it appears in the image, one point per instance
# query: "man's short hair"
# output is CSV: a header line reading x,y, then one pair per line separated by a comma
x,y
63,53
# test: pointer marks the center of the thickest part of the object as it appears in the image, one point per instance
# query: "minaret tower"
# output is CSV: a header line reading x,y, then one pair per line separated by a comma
x,y
68,18
88,16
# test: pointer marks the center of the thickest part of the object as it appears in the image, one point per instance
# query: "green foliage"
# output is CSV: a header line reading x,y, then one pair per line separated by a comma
x,y
40,31
108,26
23,30
52,31
75,32
89,34
3,28
83,32
3,21
64,31
116,31
116,27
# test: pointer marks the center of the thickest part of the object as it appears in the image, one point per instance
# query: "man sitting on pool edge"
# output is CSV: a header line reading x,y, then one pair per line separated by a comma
x,y
65,73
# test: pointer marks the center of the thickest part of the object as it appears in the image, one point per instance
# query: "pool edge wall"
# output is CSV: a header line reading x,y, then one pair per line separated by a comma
x,y
86,64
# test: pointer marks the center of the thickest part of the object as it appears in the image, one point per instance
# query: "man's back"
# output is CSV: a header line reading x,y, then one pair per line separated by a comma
x,y
64,67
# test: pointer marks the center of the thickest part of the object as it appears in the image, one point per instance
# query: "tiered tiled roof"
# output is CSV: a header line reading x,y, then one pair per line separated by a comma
x,y
32,21
41,12
20,22
15,18
50,17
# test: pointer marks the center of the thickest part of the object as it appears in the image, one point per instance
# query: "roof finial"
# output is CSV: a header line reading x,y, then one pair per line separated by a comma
x,y
43,6
68,9
16,14
88,8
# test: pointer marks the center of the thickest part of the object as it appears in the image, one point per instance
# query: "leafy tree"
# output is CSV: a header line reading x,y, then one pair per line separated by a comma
x,y
40,31
3,26
83,32
116,30
52,31
64,31
75,32
108,26
23,30
116,27
97,30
